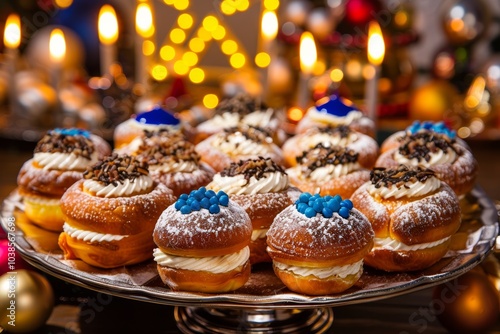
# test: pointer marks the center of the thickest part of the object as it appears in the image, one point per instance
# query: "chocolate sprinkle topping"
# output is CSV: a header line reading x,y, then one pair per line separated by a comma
x,y
321,156
341,130
115,169
155,150
61,142
421,144
386,177
252,167
242,104
251,132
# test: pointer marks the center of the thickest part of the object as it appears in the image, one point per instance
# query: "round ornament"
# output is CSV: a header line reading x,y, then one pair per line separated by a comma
x,y
432,101
464,21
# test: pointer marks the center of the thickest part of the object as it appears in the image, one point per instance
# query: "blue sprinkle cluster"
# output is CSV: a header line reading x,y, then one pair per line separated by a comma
x,y
72,132
201,199
438,127
310,205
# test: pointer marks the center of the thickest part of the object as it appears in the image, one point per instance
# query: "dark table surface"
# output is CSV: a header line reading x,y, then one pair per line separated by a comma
x,y
79,310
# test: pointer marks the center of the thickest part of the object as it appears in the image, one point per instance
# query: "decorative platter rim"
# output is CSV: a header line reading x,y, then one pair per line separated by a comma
x,y
140,282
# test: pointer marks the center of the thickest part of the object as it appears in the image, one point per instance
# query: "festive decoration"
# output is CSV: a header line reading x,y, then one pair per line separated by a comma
x,y
27,301
464,21
469,304
432,101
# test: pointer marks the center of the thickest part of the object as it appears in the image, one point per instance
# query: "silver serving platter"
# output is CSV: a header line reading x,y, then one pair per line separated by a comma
x,y
470,245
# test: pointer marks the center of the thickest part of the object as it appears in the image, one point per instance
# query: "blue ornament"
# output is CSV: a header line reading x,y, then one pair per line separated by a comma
x,y
157,116
334,106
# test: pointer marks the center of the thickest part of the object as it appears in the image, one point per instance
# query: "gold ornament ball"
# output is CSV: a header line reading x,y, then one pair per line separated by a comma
x,y
432,101
468,304
27,301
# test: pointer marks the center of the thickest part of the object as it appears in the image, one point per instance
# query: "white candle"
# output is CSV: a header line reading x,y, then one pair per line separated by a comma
x,y
12,40
308,57
145,29
57,48
376,52
108,35
269,30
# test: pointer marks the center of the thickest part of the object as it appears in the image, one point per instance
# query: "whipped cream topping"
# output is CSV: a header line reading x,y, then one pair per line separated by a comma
x,y
436,158
259,233
238,185
64,161
174,167
329,140
395,245
224,120
322,273
260,118
408,189
333,171
237,143
124,188
314,114
90,236
213,264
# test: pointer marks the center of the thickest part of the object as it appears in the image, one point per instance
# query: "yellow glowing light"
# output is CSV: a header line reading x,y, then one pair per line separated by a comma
x,y
308,52
185,21
204,34
159,72
227,7
144,20
190,58
295,114
368,72
107,25
63,3
12,33
336,75
181,68
242,5
401,18
376,45
229,47
196,44
210,101
271,4
148,48
269,25
457,25
475,93
167,53
181,4
210,23
353,69
196,75
177,35
169,2
57,46
319,67
262,59
237,60
219,33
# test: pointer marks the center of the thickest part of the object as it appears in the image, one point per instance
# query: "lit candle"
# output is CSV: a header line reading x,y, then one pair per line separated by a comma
x,y
57,49
308,56
376,51
145,29
269,30
12,40
108,35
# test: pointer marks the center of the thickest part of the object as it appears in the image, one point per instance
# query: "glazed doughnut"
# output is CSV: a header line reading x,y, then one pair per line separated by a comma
x,y
413,215
60,157
318,244
335,111
110,215
394,140
261,187
203,243
240,143
151,120
332,170
341,135
451,162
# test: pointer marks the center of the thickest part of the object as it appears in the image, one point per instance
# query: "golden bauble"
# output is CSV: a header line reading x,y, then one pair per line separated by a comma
x,y
27,301
432,101
468,304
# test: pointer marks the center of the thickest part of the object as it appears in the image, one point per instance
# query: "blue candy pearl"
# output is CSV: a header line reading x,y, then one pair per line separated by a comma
x,y
214,208
205,203
184,197
186,209
347,203
327,212
304,197
195,206
310,212
179,204
224,200
344,212
210,193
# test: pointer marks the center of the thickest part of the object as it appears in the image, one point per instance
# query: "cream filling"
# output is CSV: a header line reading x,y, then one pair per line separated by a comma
x,y
409,189
437,158
322,273
174,167
329,172
394,245
64,161
213,264
238,185
329,140
314,114
125,188
259,233
237,144
90,236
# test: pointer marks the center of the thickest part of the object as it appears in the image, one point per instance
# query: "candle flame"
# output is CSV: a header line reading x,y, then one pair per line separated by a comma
x,y
376,45
108,25
307,52
57,45
144,20
269,25
12,33
476,93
